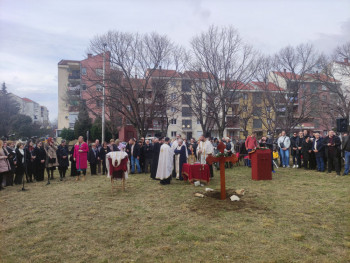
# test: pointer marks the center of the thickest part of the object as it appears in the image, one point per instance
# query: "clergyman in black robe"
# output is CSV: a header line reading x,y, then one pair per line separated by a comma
x,y
156,151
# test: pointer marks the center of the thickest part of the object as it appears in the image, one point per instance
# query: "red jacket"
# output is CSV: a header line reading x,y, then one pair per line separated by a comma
x,y
81,157
251,143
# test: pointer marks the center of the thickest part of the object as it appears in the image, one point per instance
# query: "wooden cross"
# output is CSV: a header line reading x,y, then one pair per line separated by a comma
x,y
222,160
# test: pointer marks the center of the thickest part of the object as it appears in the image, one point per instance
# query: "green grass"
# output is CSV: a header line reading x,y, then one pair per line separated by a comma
x,y
297,217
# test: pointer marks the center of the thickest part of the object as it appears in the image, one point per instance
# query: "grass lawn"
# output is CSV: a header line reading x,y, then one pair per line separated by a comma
x,y
297,217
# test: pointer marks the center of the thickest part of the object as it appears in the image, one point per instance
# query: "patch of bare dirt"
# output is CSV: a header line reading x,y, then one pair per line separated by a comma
x,y
212,203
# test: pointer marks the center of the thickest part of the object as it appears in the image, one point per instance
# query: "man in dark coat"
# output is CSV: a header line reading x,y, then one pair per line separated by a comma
x,y
306,150
156,151
112,147
299,146
332,147
39,162
318,149
148,155
293,146
135,156
142,156
93,158
181,150
62,156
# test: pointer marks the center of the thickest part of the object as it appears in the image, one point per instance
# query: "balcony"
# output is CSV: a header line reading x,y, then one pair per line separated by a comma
x,y
74,76
155,127
232,123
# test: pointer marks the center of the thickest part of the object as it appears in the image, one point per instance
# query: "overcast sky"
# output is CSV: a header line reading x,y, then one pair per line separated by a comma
x,y
36,35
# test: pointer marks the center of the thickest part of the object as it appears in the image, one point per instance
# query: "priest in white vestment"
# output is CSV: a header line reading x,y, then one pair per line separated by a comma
x,y
205,148
165,163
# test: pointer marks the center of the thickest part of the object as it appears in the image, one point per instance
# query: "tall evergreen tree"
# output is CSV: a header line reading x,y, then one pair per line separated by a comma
x,y
8,109
83,123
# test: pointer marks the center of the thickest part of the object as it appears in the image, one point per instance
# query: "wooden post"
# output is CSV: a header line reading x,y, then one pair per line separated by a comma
x,y
221,160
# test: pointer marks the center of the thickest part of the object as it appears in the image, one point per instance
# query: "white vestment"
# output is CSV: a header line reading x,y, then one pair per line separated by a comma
x,y
207,148
165,162
117,157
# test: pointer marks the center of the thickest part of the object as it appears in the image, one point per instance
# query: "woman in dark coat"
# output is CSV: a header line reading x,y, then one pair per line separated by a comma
x,y
73,168
39,162
19,163
156,151
29,161
11,158
62,156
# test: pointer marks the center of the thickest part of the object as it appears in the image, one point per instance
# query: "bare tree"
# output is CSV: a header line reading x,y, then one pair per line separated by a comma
x,y
335,78
283,79
221,53
138,77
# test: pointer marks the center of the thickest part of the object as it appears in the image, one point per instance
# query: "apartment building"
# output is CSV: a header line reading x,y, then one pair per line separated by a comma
x,y
68,93
39,114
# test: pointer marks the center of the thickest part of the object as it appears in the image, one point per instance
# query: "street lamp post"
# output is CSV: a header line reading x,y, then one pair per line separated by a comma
x,y
103,93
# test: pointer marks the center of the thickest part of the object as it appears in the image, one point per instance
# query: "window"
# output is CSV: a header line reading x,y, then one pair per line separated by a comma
x,y
186,112
245,96
269,121
71,125
173,82
83,71
173,134
173,121
244,108
198,122
256,98
99,103
173,96
268,108
99,87
128,107
186,100
313,88
172,109
83,86
257,111
257,124
324,87
186,124
99,72
186,85
324,97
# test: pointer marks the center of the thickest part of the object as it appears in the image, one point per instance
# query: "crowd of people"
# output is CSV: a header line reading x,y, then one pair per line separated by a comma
x,y
308,150
163,158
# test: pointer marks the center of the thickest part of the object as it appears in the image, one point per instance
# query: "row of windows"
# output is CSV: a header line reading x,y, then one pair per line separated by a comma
x,y
184,122
98,71
99,87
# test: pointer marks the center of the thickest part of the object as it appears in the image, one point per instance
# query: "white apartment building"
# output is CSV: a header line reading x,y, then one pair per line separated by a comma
x,y
68,85
39,114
